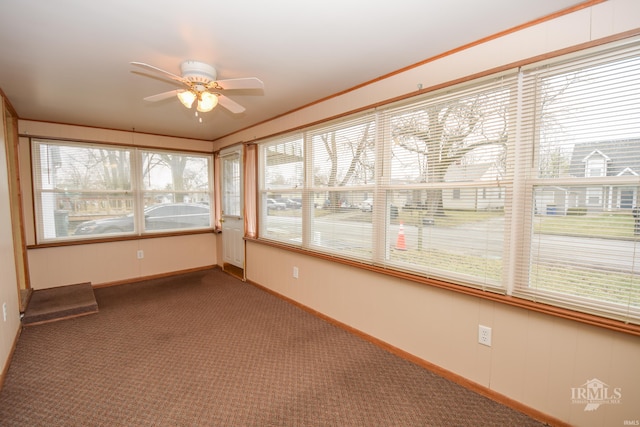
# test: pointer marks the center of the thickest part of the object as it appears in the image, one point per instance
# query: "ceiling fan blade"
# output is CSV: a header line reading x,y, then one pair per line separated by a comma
x,y
230,105
242,83
163,95
159,70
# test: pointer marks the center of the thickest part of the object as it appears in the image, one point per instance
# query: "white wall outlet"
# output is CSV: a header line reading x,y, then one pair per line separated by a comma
x,y
4,311
140,254
484,335
295,272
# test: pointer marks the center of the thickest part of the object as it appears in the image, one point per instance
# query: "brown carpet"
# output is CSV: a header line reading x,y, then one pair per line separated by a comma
x,y
205,349
64,302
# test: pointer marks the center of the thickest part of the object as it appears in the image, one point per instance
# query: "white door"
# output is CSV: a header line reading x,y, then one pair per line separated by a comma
x,y
232,208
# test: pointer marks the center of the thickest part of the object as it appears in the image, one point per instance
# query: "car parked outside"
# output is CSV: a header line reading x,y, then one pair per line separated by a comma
x,y
366,205
291,204
157,217
274,204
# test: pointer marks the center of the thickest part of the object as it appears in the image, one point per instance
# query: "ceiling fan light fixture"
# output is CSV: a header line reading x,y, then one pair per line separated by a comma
x,y
187,98
207,102
198,82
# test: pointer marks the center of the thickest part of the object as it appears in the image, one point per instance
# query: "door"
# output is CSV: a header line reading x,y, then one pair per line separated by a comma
x,y
232,211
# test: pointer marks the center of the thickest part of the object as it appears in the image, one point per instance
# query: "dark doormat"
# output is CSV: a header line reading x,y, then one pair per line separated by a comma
x,y
64,302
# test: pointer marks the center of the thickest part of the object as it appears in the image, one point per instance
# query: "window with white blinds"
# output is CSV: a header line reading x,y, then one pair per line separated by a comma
x,y
342,166
444,182
281,185
524,183
581,224
92,190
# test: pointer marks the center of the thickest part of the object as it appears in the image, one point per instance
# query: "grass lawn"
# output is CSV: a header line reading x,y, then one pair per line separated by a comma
x,y
611,225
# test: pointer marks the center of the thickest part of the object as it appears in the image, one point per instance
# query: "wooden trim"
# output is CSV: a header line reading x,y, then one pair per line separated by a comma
x,y
119,144
5,369
119,239
7,104
132,131
154,276
569,10
71,316
458,379
15,193
538,307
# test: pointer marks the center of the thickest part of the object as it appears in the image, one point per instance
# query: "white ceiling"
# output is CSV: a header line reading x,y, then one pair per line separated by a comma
x,y
68,61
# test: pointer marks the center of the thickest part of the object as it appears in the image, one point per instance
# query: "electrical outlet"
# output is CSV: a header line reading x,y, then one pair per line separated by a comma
x,y
4,311
140,254
484,335
295,272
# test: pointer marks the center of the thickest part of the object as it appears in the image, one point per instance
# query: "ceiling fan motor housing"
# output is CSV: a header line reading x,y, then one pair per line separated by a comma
x,y
198,72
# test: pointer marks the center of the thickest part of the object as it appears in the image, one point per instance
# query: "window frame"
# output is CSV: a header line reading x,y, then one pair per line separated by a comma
x,y
135,192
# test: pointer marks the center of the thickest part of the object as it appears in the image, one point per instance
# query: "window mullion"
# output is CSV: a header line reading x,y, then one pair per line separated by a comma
x,y
383,173
137,186
518,222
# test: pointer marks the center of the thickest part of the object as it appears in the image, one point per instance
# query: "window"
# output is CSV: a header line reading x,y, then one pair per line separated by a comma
x,y
443,154
524,183
281,189
342,161
231,165
89,190
582,121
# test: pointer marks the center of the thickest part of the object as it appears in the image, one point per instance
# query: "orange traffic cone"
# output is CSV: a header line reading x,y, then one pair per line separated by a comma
x,y
401,245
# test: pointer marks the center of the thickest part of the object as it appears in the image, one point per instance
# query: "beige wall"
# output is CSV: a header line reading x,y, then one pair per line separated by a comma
x,y
104,263
535,359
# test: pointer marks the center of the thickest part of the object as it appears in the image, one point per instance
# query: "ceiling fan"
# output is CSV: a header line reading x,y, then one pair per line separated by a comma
x,y
198,83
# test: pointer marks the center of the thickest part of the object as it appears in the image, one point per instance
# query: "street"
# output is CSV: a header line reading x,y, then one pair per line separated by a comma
x,y
484,239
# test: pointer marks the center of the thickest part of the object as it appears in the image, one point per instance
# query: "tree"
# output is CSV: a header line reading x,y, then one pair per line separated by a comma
x,y
181,170
114,168
553,157
442,134
349,158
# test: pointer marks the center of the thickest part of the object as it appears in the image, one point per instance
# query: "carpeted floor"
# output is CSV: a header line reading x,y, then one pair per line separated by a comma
x,y
206,349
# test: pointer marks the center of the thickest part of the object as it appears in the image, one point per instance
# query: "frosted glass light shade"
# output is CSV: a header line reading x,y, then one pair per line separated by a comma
x,y
187,97
207,102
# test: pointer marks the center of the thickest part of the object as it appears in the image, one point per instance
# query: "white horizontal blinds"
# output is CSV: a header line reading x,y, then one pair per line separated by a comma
x,y
282,185
343,153
177,179
74,183
93,190
343,177
446,174
582,116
